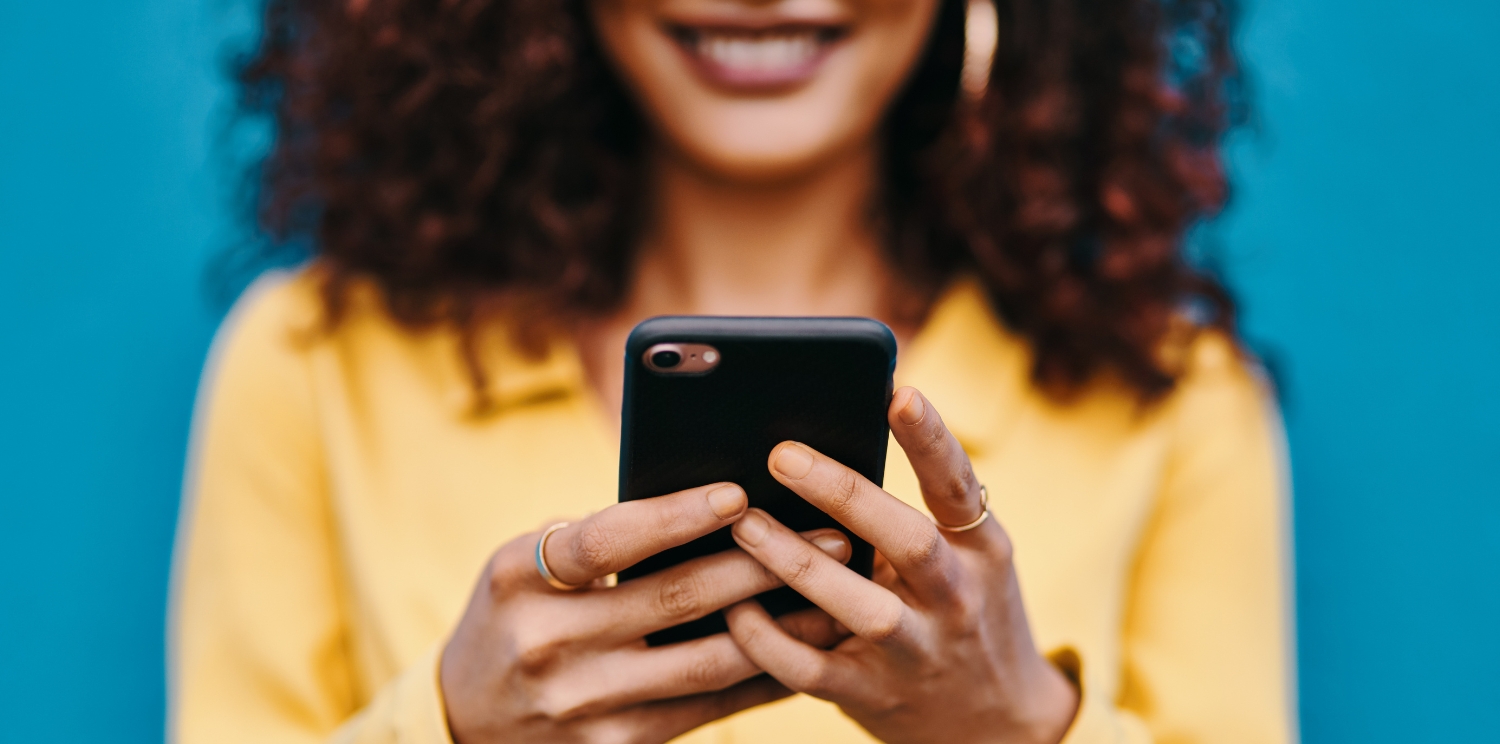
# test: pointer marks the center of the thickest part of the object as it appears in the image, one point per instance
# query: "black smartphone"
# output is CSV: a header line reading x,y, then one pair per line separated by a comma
x,y
708,398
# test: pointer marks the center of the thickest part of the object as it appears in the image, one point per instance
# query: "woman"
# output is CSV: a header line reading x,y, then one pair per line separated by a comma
x,y
496,191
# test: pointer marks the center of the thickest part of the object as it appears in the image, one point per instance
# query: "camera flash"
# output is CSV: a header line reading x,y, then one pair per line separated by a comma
x,y
710,356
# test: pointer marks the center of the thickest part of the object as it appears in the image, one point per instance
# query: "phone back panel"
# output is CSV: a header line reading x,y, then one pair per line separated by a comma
x,y
825,382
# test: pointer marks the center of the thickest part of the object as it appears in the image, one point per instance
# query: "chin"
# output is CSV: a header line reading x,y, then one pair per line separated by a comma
x,y
756,169
757,91
759,157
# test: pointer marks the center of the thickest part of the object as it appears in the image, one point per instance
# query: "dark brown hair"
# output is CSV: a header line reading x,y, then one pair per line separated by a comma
x,y
474,157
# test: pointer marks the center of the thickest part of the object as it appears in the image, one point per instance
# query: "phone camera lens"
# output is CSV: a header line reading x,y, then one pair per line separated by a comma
x,y
666,359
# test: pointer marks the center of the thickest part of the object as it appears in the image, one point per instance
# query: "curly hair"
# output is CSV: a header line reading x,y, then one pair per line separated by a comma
x,y
477,157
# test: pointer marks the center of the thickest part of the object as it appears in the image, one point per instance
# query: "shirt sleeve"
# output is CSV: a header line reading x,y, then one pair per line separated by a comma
x,y
259,644
1207,642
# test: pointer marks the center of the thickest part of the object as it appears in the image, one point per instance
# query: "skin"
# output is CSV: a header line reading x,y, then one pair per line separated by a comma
x,y
761,199
942,650
760,206
765,137
528,663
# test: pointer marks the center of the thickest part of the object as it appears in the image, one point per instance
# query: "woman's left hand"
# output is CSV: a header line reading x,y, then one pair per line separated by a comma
x,y
941,650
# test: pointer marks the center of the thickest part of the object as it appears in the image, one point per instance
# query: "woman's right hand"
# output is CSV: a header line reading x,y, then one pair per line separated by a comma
x,y
529,663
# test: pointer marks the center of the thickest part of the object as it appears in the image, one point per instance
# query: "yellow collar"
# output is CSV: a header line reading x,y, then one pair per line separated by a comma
x,y
515,378
963,359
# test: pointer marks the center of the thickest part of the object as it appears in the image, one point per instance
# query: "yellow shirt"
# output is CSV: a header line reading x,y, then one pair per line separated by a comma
x,y
343,498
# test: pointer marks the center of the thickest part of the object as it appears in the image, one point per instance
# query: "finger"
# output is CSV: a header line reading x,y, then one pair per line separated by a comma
x,y
666,720
685,592
795,664
882,573
638,674
624,534
814,627
867,609
942,467
906,537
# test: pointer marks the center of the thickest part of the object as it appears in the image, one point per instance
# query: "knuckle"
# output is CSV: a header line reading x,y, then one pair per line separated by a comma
x,y
705,673
1002,548
924,548
746,635
560,704
496,575
966,611
820,679
885,625
845,491
536,649
961,485
800,568
934,440
594,550
504,570
811,677
679,596
884,703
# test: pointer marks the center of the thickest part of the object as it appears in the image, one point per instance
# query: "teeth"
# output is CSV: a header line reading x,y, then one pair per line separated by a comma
x,y
759,54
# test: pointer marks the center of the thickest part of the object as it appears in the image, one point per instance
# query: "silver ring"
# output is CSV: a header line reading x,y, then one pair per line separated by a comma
x,y
545,570
984,506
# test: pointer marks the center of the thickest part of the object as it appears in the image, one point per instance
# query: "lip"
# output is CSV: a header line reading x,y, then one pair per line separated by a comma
x,y
756,57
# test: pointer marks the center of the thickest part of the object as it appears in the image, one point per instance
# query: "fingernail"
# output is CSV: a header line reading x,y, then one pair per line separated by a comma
x,y
752,527
834,545
727,501
912,412
794,461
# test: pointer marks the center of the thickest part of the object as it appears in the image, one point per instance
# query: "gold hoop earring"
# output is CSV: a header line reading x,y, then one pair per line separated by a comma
x,y
981,36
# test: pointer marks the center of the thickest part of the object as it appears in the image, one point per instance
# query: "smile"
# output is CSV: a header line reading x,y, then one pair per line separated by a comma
x,y
754,59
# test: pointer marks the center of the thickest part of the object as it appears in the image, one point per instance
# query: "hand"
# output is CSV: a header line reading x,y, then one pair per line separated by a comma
x,y
941,650
529,663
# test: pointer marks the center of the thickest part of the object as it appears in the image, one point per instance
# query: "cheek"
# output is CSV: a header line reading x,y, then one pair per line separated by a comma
x,y
624,28
890,48
647,62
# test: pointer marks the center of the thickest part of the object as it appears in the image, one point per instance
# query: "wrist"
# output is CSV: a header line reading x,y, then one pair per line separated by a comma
x,y
1052,704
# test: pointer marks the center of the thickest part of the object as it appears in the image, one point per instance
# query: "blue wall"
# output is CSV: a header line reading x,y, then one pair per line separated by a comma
x,y
1367,251
1363,243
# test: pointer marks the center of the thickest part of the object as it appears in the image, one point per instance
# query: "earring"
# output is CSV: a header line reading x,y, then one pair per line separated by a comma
x,y
981,34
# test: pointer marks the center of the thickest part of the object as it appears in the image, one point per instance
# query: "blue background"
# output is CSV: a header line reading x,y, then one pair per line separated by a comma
x,y
1363,243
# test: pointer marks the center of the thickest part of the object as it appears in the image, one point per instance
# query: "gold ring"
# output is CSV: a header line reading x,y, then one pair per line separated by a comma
x,y
984,506
542,567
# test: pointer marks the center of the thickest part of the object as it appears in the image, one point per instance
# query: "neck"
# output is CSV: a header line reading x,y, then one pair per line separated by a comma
x,y
800,246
